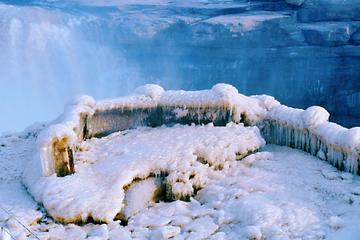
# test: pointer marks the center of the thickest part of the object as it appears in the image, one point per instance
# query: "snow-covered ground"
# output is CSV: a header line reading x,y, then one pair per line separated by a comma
x,y
277,193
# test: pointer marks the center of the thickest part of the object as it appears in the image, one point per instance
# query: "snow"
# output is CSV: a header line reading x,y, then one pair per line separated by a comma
x,y
278,193
184,181
105,166
300,119
68,127
308,129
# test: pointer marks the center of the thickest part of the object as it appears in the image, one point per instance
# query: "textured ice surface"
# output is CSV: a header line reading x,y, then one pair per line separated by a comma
x,y
277,191
308,129
105,166
250,198
67,130
311,131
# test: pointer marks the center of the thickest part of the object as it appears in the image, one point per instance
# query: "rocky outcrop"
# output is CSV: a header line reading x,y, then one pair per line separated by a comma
x,y
252,29
329,34
329,10
295,2
355,38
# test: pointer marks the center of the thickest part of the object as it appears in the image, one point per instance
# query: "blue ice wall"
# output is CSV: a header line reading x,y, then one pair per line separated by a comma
x,y
301,52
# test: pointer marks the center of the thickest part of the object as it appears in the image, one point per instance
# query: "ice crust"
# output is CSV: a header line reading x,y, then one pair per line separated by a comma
x,y
316,201
149,97
308,129
187,154
105,166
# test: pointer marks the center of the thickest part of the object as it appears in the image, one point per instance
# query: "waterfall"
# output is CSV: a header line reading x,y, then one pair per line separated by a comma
x,y
47,57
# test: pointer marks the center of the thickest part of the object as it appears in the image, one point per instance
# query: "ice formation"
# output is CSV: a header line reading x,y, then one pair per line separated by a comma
x,y
315,199
182,156
310,131
150,106
105,166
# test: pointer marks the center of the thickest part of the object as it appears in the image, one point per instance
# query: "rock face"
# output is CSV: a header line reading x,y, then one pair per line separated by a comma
x,y
295,2
355,38
329,34
302,52
329,10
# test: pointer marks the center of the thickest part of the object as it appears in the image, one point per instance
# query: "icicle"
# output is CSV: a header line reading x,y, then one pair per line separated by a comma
x,y
198,114
296,131
71,160
313,147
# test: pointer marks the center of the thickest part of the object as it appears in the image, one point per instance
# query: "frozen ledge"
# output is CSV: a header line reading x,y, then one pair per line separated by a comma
x,y
308,129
